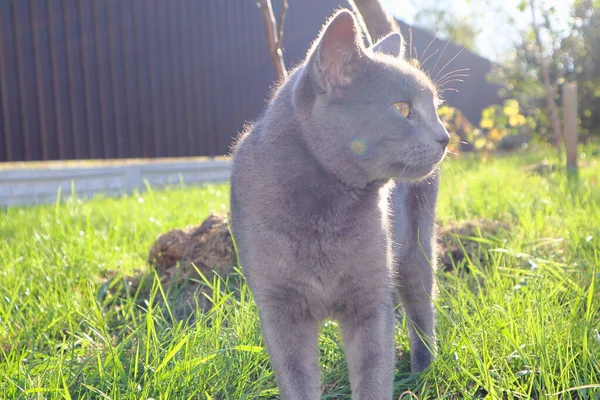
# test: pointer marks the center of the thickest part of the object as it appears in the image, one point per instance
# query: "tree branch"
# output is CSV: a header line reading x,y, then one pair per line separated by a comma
x,y
284,8
550,91
273,38
377,21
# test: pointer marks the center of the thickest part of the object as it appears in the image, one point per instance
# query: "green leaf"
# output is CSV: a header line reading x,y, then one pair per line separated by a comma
x,y
172,353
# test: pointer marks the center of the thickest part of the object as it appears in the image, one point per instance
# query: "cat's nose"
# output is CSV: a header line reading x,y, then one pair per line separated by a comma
x,y
443,140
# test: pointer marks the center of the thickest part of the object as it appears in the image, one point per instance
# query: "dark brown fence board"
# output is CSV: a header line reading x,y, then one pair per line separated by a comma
x,y
187,75
44,78
146,129
122,79
207,71
177,59
137,78
118,82
157,94
57,23
91,82
163,76
27,80
2,132
100,45
11,102
77,108
129,80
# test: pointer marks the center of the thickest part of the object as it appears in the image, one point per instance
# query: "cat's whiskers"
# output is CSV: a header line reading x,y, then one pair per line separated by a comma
x,y
427,48
448,63
449,90
395,160
444,166
456,71
424,201
445,86
410,41
448,79
421,63
443,50
455,77
404,170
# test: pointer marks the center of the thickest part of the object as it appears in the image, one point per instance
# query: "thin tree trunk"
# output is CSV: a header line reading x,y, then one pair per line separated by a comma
x,y
550,91
274,35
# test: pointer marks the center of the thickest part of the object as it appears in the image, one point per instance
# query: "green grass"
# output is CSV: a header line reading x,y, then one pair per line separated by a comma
x,y
522,323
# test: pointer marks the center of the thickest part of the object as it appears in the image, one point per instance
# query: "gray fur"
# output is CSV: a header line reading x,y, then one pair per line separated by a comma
x,y
310,202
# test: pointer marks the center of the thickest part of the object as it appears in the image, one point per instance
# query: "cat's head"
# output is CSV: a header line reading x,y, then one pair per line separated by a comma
x,y
367,113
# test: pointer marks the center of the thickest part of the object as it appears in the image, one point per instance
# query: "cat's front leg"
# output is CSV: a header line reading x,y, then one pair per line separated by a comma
x,y
291,336
369,340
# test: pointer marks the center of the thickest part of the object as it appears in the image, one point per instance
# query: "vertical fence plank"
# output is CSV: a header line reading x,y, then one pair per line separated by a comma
x,y
147,131
201,50
245,81
103,71
27,80
44,76
230,31
76,74
174,62
57,22
185,33
91,82
225,111
118,83
214,88
171,87
9,90
169,138
3,133
130,81
156,94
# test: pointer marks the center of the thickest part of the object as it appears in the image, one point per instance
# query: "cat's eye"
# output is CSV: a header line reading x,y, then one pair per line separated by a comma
x,y
403,108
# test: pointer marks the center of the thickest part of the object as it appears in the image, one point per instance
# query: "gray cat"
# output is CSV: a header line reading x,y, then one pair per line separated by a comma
x,y
310,202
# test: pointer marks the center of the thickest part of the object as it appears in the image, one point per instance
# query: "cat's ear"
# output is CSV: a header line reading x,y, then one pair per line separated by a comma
x,y
337,50
392,45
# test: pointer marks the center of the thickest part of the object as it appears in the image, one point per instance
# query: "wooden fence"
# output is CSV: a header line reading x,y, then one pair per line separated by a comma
x,y
92,79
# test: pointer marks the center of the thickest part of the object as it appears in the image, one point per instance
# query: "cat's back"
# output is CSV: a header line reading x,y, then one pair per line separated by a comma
x,y
246,171
255,176
266,150
257,140
244,154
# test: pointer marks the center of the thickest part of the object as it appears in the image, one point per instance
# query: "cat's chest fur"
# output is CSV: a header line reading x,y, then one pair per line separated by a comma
x,y
310,232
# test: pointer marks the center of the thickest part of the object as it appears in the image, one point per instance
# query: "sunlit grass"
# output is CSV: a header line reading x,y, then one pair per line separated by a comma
x,y
521,324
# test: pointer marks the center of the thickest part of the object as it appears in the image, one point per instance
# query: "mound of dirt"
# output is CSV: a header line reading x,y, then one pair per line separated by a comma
x,y
178,257
209,247
462,240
